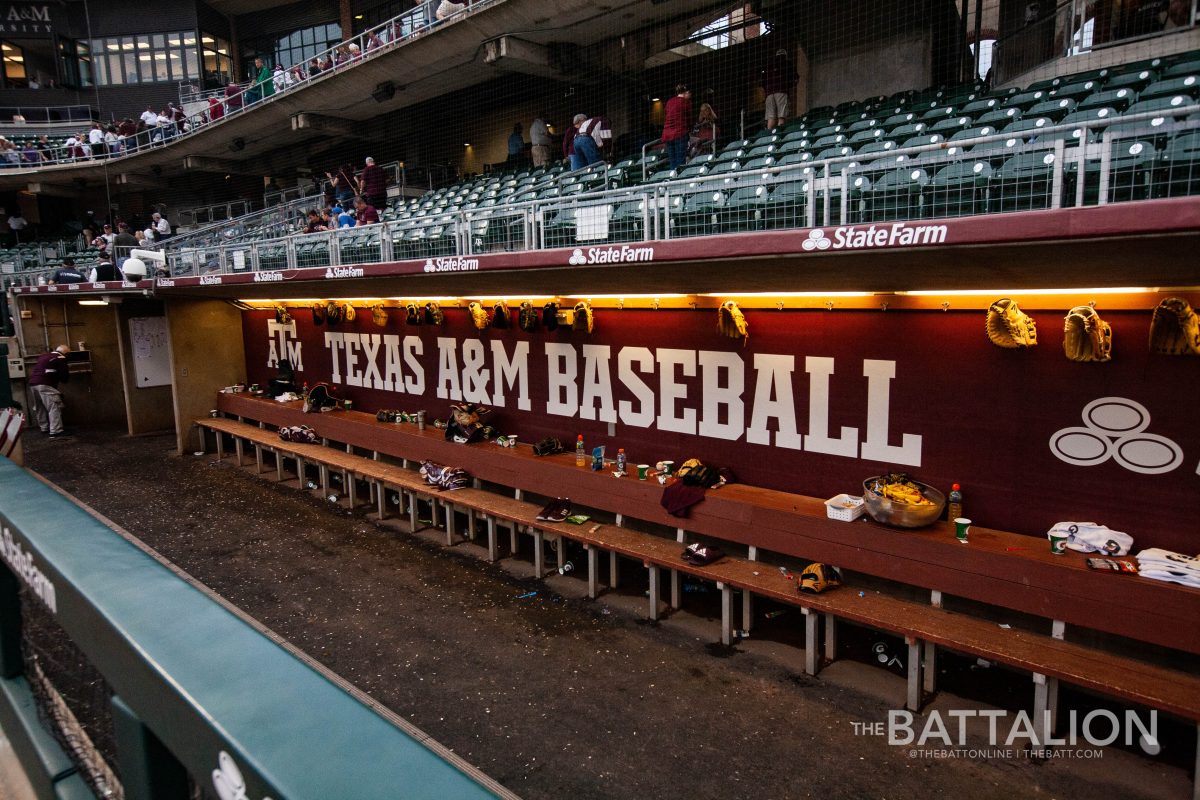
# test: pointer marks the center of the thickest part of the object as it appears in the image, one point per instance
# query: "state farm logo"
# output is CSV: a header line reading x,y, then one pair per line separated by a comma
x,y
610,255
268,277
344,272
816,240
210,280
1115,428
451,264
898,234
168,282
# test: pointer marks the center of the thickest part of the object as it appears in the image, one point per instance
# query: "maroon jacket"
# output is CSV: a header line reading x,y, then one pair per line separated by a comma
x,y
678,120
50,370
374,181
569,141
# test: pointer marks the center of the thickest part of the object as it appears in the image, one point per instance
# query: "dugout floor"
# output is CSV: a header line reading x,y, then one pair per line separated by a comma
x,y
555,695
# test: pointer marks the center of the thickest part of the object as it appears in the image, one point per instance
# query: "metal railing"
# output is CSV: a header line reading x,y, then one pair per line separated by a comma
x,y
39,114
1144,156
218,212
409,26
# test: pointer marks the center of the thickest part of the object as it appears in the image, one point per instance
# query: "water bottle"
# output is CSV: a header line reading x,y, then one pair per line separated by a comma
x,y
954,508
621,459
580,452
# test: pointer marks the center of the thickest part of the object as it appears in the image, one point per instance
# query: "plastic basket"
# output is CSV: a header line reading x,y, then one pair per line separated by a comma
x,y
845,507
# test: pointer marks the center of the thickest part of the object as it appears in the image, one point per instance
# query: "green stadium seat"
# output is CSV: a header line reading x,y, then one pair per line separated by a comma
x,y
1000,117
1054,108
695,214
1028,128
744,209
1025,100
950,125
1092,115
934,115
973,133
1160,104
1182,68
1184,85
980,106
787,204
921,141
902,118
959,189
762,162
865,137
1024,182
861,125
792,159
897,194
795,146
907,131
1120,99
627,223
1180,166
1131,80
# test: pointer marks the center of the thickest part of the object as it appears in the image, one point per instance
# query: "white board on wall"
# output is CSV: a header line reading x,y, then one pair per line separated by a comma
x,y
151,361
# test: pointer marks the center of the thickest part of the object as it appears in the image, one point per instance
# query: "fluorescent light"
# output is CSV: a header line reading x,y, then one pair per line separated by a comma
x,y
1003,292
93,302
789,294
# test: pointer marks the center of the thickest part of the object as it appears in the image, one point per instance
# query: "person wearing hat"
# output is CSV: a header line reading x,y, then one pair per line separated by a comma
x,y
66,273
372,184
778,79
51,370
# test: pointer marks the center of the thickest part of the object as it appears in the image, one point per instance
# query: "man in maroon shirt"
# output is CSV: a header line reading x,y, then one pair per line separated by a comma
x,y
365,213
677,125
47,374
372,184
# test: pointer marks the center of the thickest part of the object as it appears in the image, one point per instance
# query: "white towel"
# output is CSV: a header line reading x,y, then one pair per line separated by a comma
x,y
1089,537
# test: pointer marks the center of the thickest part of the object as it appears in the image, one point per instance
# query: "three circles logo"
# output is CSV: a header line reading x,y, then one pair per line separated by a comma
x,y
1115,427
816,241
577,258
227,779
429,267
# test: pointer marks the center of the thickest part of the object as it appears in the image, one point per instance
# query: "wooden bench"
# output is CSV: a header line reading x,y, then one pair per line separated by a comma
x,y
1050,658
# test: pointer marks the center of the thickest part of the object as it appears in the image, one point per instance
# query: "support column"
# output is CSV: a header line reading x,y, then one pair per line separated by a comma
x,y
811,662
1058,630
915,681
930,656
539,557
726,613
380,501
593,569
258,461
149,771
748,598
345,19
1041,710
491,533
676,602
238,449
830,638
653,574
613,570
450,521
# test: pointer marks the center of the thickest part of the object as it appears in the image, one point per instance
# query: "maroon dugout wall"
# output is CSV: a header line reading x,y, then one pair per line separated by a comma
x,y
813,403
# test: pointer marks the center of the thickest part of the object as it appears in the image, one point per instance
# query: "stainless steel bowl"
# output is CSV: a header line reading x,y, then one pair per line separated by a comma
x,y
903,515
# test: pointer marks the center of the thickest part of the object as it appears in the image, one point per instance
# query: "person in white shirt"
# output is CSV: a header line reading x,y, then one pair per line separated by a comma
x,y
149,118
162,228
539,137
96,139
16,224
166,125
279,78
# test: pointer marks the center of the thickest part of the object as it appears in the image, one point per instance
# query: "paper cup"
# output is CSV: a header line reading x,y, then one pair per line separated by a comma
x,y
668,467
1058,543
962,527
643,469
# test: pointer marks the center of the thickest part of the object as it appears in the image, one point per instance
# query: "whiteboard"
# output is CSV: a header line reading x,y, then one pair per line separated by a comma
x,y
151,361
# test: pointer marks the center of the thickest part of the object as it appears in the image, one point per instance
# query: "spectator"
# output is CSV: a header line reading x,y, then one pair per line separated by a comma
x,y
178,117
373,41
516,146
353,52
677,125
598,129
149,117
96,139
233,97
162,228
295,75
45,148
166,126
583,146
343,216
111,142
340,55
314,67
106,238
30,154
279,79
105,270
146,238
123,243
215,109
568,142
16,224
704,132
50,371
539,136
266,85
365,213
126,131
343,185
316,223
449,9
778,79
372,184
66,273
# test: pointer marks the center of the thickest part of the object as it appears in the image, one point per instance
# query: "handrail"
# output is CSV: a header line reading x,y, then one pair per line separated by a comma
x,y
646,147
371,43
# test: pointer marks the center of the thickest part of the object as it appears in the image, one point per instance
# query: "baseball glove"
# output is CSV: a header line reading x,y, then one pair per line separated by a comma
x,y
527,317
732,322
1086,336
547,447
379,315
282,316
318,314
412,314
550,315
501,318
348,312
433,314
1175,329
583,317
333,313
478,316
1008,326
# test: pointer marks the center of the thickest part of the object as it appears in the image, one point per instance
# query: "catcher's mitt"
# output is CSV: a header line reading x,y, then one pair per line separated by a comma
x,y
433,314
1008,326
501,318
318,314
348,312
478,316
550,315
282,316
547,447
583,317
1086,336
1175,329
732,322
527,317
412,314
333,313
379,315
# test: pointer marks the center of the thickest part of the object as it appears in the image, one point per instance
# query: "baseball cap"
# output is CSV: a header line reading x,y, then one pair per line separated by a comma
x,y
580,118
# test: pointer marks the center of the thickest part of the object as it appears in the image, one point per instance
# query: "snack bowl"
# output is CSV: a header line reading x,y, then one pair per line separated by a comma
x,y
902,515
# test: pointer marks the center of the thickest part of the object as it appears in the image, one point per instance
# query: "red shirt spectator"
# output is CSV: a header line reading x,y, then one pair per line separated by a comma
x,y
569,141
365,214
678,119
233,97
215,109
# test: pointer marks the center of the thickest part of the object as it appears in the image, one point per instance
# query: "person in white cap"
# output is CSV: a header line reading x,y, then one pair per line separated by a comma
x,y
372,184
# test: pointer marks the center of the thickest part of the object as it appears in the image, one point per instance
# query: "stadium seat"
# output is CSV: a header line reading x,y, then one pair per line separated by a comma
x,y
980,106
787,204
1180,166
1131,80
1024,182
695,214
1092,115
627,223
1000,117
830,140
865,124
902,118
744,209
907,131
1054,108
1025,100
949,126
894,195
1182,68
1184,85
959,189
865,137
878,146
921,141
1120,99
1159,104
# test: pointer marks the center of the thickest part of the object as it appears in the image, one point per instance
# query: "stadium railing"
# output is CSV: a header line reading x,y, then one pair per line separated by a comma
x,y
1147,155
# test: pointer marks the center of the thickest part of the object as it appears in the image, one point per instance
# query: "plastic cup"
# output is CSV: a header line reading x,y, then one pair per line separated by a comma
x,y
668,467
642,470
962,526
1058,543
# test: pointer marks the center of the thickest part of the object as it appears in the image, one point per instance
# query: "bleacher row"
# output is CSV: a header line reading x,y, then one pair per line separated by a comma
x,y
980,152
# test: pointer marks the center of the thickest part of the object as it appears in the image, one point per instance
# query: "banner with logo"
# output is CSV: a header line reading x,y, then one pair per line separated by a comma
x,y
814,402
27,20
